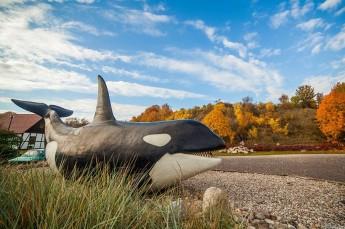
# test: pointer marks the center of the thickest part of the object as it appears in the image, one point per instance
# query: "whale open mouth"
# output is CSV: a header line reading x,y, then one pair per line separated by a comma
x,y
204,153
173,168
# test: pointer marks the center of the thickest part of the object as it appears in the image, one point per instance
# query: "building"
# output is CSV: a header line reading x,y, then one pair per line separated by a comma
x,y
30,127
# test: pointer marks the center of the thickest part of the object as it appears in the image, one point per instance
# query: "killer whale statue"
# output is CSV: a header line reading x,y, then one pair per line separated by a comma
x,y
167,150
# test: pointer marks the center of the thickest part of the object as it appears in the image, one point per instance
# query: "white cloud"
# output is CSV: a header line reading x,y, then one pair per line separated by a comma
x,y
79,1
336,64
211,34
266,52
324,83
86,28
311,24
296,11
250,38
132,74
138,90
83,108
337,42
86,1
340,12
19,38
226,72
279,19
329,4
25,76
9,3
140,21
29,44
313,42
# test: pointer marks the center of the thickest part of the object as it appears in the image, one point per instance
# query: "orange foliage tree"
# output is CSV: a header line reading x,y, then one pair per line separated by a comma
x,y
219,123
331,114
154,113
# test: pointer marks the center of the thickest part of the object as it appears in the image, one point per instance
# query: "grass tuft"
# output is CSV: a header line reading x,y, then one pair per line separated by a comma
x,y
38,198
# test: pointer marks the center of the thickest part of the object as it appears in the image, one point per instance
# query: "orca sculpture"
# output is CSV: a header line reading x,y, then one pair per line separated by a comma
x,y
167,150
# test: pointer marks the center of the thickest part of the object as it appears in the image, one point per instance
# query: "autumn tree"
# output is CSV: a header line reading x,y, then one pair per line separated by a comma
x,y
284,101
304,97
154,113
331,113
219,123
244,119
319,97
180,114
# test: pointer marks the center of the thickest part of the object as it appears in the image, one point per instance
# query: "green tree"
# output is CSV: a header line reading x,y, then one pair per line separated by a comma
x,y
8,144
304,97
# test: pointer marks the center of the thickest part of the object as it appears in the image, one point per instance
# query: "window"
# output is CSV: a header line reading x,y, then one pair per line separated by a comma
x,y
32,141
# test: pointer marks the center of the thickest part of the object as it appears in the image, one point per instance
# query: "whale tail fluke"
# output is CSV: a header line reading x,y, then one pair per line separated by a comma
x,y
41,108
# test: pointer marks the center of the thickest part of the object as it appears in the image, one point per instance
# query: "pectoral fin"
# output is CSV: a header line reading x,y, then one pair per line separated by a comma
x,y
172,168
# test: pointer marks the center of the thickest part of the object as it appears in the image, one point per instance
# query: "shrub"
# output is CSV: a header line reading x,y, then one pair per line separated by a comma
x,y
8,144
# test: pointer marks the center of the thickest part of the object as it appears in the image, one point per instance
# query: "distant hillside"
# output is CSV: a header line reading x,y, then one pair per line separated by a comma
x,y
263,123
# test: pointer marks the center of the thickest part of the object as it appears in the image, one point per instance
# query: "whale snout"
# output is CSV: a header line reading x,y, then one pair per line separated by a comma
x,y
197,137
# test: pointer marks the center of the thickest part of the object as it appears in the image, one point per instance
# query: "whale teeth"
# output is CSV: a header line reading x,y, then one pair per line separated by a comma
x,y
203,154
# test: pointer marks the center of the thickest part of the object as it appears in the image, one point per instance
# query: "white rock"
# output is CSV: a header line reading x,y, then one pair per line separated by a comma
x,y
177,206
269,221
301,226
213,197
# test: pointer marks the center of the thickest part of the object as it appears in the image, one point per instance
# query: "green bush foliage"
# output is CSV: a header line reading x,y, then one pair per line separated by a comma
x,y
8,144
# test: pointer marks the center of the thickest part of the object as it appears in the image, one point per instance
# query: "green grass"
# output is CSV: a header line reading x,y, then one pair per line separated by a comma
x,y
263,153
37,198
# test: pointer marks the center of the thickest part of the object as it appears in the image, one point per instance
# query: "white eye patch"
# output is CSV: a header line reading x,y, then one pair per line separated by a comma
x,y
157,139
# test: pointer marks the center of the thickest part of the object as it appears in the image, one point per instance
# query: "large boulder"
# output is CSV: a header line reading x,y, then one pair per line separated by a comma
x,y
213,197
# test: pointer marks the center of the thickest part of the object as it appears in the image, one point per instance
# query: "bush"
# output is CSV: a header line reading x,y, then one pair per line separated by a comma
x,y
8,144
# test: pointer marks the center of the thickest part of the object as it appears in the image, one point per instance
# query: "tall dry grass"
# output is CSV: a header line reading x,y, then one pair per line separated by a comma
x,y
37,198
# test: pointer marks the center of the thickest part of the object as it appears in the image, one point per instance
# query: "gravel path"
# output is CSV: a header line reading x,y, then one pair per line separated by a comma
x,y
294,199
320,166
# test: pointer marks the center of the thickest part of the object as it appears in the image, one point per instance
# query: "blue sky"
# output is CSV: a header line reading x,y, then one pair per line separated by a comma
x,y
183,53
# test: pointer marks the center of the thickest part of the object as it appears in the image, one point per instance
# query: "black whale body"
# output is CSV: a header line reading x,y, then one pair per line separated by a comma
x,y
166,145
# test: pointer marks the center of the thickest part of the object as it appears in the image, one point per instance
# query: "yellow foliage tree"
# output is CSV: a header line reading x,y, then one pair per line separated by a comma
x,y
269,107
154,113
331,114
274,123
180,114
253,133
219,123
244,118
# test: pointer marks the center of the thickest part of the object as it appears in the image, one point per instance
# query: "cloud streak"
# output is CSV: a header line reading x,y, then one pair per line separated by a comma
x,y
211,34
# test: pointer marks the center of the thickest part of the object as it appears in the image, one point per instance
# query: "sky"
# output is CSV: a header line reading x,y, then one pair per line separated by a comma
x,y
184,53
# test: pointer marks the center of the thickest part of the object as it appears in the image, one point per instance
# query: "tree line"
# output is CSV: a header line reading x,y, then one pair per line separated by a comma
x,y
306,117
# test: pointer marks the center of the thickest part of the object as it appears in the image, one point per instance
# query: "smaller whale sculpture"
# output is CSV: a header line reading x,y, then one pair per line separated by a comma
x,y
169,151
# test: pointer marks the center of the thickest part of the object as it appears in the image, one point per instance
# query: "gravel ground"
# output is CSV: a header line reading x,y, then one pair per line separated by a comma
x,y
294,199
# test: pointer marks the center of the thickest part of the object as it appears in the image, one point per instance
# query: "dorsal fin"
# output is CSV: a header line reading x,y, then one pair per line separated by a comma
x,y
103,113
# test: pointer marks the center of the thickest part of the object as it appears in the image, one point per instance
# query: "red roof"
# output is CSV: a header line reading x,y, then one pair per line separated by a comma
x,y
18,123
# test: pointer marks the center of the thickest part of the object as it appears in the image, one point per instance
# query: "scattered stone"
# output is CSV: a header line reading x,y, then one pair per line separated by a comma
x,y
269,221
250,227
291,226
213,197
301,226
288,204
259,215
176,206
261,225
